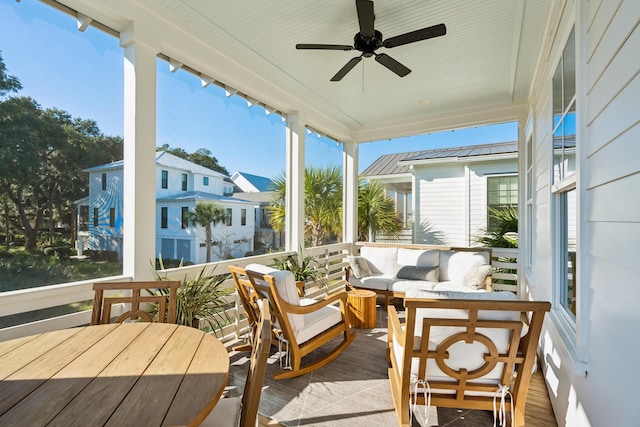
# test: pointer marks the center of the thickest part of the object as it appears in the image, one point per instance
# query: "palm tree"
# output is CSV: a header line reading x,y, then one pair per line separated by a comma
x,y
323,206
376,212
207,214
322,203
503,231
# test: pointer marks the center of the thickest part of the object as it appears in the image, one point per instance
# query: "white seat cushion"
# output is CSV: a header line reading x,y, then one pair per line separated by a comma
x,y
379,283
226,413
404,285
318,321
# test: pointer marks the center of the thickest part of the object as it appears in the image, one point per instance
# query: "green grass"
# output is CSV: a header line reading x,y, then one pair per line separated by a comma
x,y
20,269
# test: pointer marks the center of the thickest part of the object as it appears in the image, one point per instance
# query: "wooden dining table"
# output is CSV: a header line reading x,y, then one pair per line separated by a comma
x,y
128,374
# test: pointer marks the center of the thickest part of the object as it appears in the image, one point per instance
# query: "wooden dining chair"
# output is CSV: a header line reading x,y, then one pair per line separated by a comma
x,y
135,293
243,411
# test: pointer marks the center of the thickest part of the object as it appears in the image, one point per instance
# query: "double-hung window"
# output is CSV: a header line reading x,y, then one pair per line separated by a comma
x,y
164,180
164,217
563,190
185,217
229,217
502,195
184,182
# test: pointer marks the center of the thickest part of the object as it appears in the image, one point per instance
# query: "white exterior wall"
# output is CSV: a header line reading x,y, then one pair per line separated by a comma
x,y
440,202
594,381
234,240
452,198
214,187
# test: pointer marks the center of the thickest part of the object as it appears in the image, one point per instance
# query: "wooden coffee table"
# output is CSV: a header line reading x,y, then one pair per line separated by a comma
x,y
362,308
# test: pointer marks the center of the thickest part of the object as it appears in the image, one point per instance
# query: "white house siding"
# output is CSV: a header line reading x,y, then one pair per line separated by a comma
x,y
478,174
103,236
215,184
442,199
233,241
440,203
600,391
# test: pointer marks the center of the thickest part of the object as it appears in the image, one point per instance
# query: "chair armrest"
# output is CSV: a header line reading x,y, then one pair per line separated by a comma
x,y
347,273
305,309
394,326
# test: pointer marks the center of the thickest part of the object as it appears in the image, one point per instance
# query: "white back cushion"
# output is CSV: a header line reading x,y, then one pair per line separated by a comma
x,y
419,257
381,259
455,264
286,288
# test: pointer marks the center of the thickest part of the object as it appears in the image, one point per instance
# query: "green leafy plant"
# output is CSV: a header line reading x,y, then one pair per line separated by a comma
x,y
303,268
201,298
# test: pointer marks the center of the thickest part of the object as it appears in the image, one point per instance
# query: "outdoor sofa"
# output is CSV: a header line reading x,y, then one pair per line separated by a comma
x,y
392,270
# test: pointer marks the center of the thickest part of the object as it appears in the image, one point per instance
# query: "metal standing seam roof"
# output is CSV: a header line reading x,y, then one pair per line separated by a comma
x,y
393,164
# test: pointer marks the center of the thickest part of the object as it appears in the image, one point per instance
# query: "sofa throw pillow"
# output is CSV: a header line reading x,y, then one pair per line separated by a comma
x,y
410,272
360,266
475,277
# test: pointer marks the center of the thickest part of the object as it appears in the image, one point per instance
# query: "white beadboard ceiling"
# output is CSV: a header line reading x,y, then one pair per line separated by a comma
x,y
479,72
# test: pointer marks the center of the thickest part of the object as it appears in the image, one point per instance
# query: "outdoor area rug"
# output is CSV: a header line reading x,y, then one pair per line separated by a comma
x,y
353,390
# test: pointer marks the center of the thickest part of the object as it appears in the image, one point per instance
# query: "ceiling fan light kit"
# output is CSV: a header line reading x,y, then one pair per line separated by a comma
x,y
368,40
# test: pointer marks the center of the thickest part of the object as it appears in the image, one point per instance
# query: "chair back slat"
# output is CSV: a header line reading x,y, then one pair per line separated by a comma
x,y
166,304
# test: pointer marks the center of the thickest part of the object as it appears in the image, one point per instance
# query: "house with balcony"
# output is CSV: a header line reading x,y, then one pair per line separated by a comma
x,y
180,185
567,71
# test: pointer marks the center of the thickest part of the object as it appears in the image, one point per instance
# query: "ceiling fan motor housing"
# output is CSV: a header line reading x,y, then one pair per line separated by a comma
x,y
367,45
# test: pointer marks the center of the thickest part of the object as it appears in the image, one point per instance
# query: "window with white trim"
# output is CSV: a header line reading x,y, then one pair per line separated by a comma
x,y
529,235
502,194
564,191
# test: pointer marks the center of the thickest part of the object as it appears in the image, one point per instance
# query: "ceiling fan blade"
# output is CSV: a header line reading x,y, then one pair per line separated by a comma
x,y
366,17
416,36
392,64
324,46
344,70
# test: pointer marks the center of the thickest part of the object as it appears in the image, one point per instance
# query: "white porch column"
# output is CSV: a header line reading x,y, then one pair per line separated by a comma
x,y
139,199
294,218
350,192
405,209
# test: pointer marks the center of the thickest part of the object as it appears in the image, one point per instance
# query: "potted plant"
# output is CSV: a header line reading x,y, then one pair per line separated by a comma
x,y
303,269
201,298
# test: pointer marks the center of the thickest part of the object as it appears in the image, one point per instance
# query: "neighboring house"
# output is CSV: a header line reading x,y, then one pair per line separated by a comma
x,y
249,183
180,185
258,189
445,194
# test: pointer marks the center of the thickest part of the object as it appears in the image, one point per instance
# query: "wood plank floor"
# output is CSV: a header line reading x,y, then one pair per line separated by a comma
x,y
539,412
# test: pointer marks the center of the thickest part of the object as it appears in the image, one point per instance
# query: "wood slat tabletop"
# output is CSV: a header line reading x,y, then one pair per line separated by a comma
x,y
143,374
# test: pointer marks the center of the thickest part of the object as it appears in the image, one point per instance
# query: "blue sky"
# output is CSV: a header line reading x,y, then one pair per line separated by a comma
x,y
82,73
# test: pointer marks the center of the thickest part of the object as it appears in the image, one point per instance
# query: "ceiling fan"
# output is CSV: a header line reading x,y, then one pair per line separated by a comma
x,y
368,40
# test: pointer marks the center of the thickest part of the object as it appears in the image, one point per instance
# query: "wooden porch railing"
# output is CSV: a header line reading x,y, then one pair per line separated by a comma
x,y
331,260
